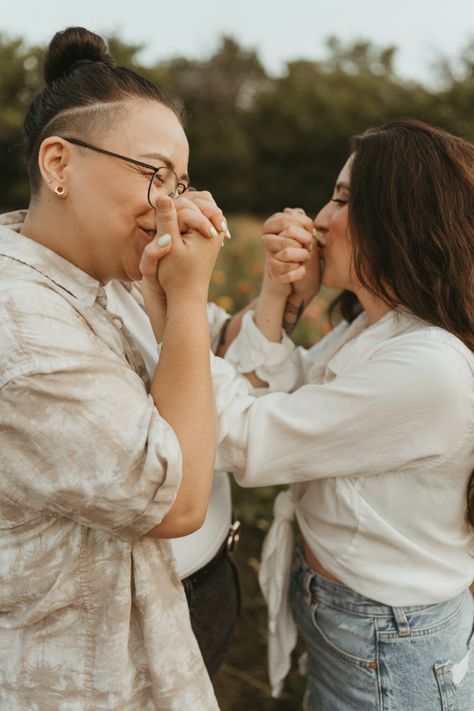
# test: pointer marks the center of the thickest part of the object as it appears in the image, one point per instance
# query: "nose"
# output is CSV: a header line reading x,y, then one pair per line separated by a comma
x,y
161,189
321,221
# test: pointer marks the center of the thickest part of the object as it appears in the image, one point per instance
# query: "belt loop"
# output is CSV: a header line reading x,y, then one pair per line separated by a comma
x,y
401,621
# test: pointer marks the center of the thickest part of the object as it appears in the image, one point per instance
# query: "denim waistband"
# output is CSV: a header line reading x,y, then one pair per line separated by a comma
x,y
320,588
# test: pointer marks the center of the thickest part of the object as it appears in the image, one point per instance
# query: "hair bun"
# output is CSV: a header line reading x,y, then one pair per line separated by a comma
x,y
72,47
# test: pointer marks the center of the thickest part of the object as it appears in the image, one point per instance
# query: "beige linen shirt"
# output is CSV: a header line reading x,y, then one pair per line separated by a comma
x,y
92,613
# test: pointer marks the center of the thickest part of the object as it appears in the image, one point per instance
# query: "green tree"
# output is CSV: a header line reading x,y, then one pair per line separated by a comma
x,y
19,77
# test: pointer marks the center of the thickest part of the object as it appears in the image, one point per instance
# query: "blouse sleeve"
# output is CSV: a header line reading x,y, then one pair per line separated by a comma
x,y
410,404
83,440
283,366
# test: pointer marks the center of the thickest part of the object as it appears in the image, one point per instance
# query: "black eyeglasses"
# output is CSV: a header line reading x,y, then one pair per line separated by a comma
x,y
161,177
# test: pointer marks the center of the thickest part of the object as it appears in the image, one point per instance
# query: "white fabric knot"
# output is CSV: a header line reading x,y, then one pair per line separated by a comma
x,y
274,579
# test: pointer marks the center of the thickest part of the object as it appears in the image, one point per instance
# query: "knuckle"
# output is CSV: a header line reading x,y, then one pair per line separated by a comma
x,y
205,195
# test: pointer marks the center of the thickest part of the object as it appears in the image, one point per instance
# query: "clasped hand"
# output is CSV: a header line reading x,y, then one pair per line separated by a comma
x,y
197,228
292,255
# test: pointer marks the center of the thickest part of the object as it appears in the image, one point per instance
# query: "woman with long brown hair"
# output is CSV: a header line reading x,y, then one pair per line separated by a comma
x,y
374,429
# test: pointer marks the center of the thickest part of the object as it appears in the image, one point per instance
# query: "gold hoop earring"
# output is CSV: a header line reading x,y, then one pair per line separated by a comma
x,y
59,190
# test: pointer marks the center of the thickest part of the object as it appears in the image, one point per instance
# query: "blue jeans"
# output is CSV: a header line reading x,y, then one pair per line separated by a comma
x,y
365,656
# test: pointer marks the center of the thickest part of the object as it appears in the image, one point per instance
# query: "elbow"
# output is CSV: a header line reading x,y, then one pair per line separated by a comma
x,y
189,522
177,524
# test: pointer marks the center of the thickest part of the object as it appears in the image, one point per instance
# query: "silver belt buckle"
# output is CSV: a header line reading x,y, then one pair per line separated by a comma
x,y
233,537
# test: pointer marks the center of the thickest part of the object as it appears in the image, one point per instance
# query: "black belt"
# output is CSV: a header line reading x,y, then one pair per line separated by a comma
x,y
227,548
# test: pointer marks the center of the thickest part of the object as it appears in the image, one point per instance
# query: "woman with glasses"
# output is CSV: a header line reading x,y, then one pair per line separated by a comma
x,y
373,429
102,461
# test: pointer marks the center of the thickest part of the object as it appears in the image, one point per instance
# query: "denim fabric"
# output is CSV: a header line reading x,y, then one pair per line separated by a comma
x,y
214,604
365,656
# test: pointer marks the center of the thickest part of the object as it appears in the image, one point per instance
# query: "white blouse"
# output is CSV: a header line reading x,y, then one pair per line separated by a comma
x,y
377,443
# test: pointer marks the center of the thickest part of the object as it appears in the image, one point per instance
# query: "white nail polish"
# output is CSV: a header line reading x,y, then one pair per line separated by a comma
x,y
213,232
227,234
164,240
224,225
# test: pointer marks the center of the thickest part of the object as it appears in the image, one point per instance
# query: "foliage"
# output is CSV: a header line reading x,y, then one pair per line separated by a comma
x,y
260,142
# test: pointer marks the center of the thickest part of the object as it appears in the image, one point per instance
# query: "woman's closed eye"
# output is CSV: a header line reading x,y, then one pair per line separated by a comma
x,y
339,201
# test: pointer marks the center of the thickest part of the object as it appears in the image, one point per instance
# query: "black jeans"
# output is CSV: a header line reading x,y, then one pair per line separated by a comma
x,y
214,604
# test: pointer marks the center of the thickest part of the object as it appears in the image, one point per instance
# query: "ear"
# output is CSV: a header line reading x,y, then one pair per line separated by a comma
x,y
54,158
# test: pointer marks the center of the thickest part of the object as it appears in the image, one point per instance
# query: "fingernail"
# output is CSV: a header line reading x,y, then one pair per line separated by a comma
x,y
213,232
164,240
315,233
224,225
227,234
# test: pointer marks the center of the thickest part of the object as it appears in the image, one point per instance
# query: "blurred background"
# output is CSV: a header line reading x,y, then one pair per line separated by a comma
x,y
271,96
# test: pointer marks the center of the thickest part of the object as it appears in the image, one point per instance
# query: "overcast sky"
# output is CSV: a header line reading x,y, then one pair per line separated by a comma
x,y
279,29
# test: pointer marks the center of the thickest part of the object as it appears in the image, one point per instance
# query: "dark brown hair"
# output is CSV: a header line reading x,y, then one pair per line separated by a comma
x,y
411,216
82,93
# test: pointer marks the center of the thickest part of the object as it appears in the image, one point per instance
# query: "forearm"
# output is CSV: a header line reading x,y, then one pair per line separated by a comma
x,y
183,393
292,312
156,309
269,313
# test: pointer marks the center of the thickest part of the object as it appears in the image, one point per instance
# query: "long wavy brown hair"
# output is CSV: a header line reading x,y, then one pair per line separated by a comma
x,y
411,217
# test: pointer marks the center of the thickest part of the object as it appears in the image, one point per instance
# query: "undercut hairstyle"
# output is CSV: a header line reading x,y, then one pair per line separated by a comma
x,y
84,94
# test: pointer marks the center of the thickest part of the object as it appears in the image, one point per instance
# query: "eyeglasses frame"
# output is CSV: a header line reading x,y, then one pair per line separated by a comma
x,y
155,170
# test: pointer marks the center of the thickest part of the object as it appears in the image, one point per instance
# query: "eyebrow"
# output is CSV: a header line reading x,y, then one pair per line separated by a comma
x,y
166,161
342,186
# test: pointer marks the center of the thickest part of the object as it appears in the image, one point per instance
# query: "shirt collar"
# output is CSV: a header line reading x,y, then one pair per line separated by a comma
x,y
360,340
43,260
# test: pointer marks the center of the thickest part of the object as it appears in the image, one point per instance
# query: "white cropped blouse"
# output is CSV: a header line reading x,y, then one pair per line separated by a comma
x,y
375,436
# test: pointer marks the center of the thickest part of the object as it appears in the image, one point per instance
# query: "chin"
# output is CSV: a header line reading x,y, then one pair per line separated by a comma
x,y
133,274
331,281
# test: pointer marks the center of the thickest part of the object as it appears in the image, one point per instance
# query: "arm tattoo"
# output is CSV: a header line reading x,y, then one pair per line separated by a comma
x,y
291,316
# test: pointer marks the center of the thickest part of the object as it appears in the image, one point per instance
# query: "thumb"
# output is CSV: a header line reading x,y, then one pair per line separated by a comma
x,y
151,255
166,217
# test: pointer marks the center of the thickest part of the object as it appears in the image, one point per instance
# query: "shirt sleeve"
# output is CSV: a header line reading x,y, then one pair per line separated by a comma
x,y
283,366
411,404
83,440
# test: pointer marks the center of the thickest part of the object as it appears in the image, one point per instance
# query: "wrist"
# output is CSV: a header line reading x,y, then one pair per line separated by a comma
x,y
185,304
273,294
306,295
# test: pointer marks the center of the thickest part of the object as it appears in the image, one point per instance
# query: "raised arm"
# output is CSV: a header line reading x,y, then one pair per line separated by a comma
x,y
182,387
291,277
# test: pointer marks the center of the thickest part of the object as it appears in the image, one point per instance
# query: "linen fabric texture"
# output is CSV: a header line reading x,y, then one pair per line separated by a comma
x,y
93,615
